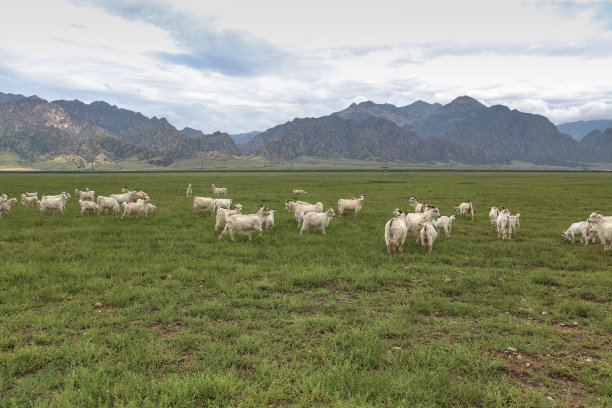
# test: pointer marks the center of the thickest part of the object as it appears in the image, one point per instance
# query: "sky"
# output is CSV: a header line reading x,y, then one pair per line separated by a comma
x,y
239,66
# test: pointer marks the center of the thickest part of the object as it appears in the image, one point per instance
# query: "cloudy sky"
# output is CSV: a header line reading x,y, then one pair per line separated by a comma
x,y
239,66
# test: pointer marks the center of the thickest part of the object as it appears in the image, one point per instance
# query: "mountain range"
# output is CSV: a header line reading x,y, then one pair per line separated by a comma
x,y
462,131
581,128
33,128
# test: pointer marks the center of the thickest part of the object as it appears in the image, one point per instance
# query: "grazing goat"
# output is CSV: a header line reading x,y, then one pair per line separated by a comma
x,y
601,226
353,204
88,206
223,213
31,194
445,223
54,203
206,203
138,208
245,223
151,207
578,228
428,235
465,209
5,207
317,219
493,216
85,195
217,191
299,192
107,203
189,190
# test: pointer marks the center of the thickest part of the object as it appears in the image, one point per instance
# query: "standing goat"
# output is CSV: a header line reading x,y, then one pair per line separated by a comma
x,y
353,204
465,209
217,191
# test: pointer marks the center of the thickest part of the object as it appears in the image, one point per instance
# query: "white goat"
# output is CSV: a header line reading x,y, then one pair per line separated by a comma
x,y
223,203
395,232
292,205
428,235
123,197
418,207
140,195
245,223
302,209
54,203
107,203
138,208
151,207
493,216
602,227
578,228
414,221
465,209
504,230
317,219
515,223
353,204
206,203
31,194
268,222
217,191
63,193
223,213
31,201
299,192
445,223
88,206
5,207
85,195
189,191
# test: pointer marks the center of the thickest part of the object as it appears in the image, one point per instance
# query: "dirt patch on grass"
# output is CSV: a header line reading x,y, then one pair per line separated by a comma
x,y
183,365
168,331
524,369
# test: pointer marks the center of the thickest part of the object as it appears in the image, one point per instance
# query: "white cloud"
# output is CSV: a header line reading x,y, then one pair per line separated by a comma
x,y
241,66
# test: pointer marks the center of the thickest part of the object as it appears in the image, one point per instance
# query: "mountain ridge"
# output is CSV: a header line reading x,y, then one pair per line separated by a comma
x,y
464,131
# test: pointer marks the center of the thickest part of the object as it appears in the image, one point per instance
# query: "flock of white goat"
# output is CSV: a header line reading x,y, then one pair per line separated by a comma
x,y
133,202
424,223
233,221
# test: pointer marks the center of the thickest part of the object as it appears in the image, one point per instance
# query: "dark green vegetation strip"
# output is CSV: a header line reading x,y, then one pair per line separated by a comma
x,y
287,320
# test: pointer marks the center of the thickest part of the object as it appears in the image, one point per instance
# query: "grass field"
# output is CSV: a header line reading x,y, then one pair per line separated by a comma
x,y
288,320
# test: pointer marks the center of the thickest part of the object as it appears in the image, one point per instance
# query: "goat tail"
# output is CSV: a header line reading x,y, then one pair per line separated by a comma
x,y
388,235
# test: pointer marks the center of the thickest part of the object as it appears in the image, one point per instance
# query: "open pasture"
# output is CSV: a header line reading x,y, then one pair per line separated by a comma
x,y
287,320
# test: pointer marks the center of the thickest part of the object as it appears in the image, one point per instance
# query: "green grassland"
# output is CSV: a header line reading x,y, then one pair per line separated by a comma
x,y
187,320
219,161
